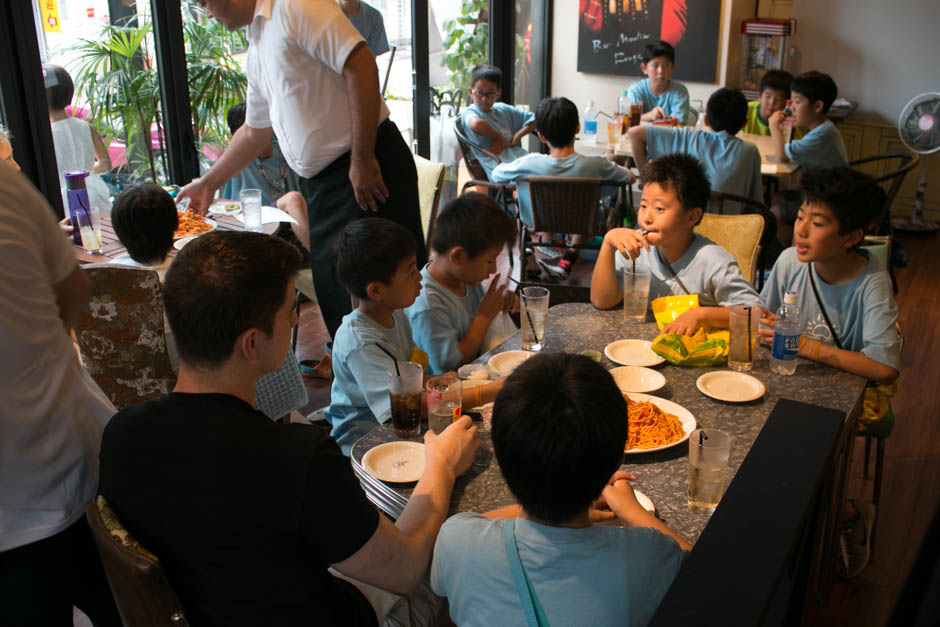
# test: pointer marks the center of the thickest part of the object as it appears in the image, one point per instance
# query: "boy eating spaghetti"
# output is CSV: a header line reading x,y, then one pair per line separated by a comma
x,y
559,427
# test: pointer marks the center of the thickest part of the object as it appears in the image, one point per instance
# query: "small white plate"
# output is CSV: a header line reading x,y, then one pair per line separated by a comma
x,y
684,415
502,364
632,353
637,379
229,208
395,462
645,502
178,244
733,387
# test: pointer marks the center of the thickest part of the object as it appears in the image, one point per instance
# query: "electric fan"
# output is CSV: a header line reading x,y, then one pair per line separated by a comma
x,y
919,127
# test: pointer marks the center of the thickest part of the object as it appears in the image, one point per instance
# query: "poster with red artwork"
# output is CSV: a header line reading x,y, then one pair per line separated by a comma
x,y
613,33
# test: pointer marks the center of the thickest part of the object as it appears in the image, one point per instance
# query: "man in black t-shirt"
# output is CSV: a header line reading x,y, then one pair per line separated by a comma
x,y
245,514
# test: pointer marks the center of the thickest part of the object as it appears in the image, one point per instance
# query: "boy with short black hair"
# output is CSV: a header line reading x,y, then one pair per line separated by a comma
x,y
660,96
732,164
774,88
559,428
556,122
144,218
451,316
680,260
496,126
838,203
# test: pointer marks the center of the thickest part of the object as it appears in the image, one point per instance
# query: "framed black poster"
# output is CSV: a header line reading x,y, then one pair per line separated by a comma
x,y
613,33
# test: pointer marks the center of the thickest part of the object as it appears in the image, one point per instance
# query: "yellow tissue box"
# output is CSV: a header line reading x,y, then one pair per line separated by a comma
x,y
701,349
667,308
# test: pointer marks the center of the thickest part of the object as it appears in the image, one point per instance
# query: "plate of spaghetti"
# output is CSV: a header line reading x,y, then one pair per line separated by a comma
x,y
656,423
191,223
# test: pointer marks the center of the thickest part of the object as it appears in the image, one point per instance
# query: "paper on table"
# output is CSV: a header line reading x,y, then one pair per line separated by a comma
x,y
269,215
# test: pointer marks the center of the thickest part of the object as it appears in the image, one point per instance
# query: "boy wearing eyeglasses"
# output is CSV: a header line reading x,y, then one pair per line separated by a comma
x,y
495,126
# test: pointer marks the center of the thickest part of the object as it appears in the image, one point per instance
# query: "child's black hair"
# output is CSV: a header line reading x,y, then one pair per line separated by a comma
x,y
490,73
371,249
235,117
557,120
682,173
559,429
854,198
474,222
727,110
658,49
144,218
816,86
779,80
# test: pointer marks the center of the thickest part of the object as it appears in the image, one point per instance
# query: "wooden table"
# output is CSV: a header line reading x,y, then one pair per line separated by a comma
x,y
768,161
662,475
111,246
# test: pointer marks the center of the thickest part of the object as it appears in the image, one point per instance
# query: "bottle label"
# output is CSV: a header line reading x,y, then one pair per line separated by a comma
x,y
590,127
785,346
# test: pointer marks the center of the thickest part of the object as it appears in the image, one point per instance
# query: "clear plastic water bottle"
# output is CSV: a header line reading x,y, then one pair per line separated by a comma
x,y
623,103
786,336
589,136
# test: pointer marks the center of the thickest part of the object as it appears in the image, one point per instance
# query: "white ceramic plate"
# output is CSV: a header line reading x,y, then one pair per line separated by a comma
x,y
503,364
645,501
632,353
212,224
684,415
733,387
228,208
178,244
637,379
395,462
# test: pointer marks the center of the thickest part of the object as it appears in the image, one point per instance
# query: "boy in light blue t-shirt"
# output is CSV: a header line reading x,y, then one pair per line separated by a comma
x,y
556,122
496,126
732,164
452,315
660,96
680,260
539,438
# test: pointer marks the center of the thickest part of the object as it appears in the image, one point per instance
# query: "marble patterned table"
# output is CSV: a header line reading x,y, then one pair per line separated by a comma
x,y
662,475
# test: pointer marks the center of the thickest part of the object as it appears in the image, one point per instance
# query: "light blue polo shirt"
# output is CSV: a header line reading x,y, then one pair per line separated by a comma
x,y
732,164
505,120
674,101
822,147
439,319
862,311
359,396
705,269
368,21
535,164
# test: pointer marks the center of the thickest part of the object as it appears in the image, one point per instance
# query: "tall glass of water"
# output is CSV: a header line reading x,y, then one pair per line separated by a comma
x,y
636,291
251,208
709,450
533,313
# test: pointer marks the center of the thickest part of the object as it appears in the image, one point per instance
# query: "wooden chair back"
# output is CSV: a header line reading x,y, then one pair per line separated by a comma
x,y
430,181
143,594
740,235
121,337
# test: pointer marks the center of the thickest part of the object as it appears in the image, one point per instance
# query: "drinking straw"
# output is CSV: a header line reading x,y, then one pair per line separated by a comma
x,y
387,352
526,302
750,357
701,438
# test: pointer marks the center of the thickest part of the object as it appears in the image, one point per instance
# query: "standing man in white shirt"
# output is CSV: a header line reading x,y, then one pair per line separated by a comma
x,y
51,418
313,82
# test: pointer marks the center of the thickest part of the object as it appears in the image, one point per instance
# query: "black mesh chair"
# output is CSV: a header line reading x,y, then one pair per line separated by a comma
x,y
890,176
500,192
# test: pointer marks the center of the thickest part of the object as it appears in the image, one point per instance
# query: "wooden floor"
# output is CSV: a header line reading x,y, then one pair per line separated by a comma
x,y
911,489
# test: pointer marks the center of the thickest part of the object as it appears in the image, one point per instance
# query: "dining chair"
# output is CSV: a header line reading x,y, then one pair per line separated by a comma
x,y
882,168
430,181
723,203
121,337
502,193
740,235
565,204
142,592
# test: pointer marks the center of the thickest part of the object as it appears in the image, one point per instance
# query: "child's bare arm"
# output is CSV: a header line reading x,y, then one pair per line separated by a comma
x,y
493,302
656,113
522,132
689,322
478,125
776,133
637,136
622,501
606,292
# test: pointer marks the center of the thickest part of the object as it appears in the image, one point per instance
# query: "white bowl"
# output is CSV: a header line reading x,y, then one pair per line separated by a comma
x,y
637,379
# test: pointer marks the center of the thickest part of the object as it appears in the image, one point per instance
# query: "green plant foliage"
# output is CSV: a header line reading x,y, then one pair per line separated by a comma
x,y
116,74
466,42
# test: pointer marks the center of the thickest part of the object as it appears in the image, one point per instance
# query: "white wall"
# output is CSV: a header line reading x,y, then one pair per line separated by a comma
x,y
881,54
604,89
